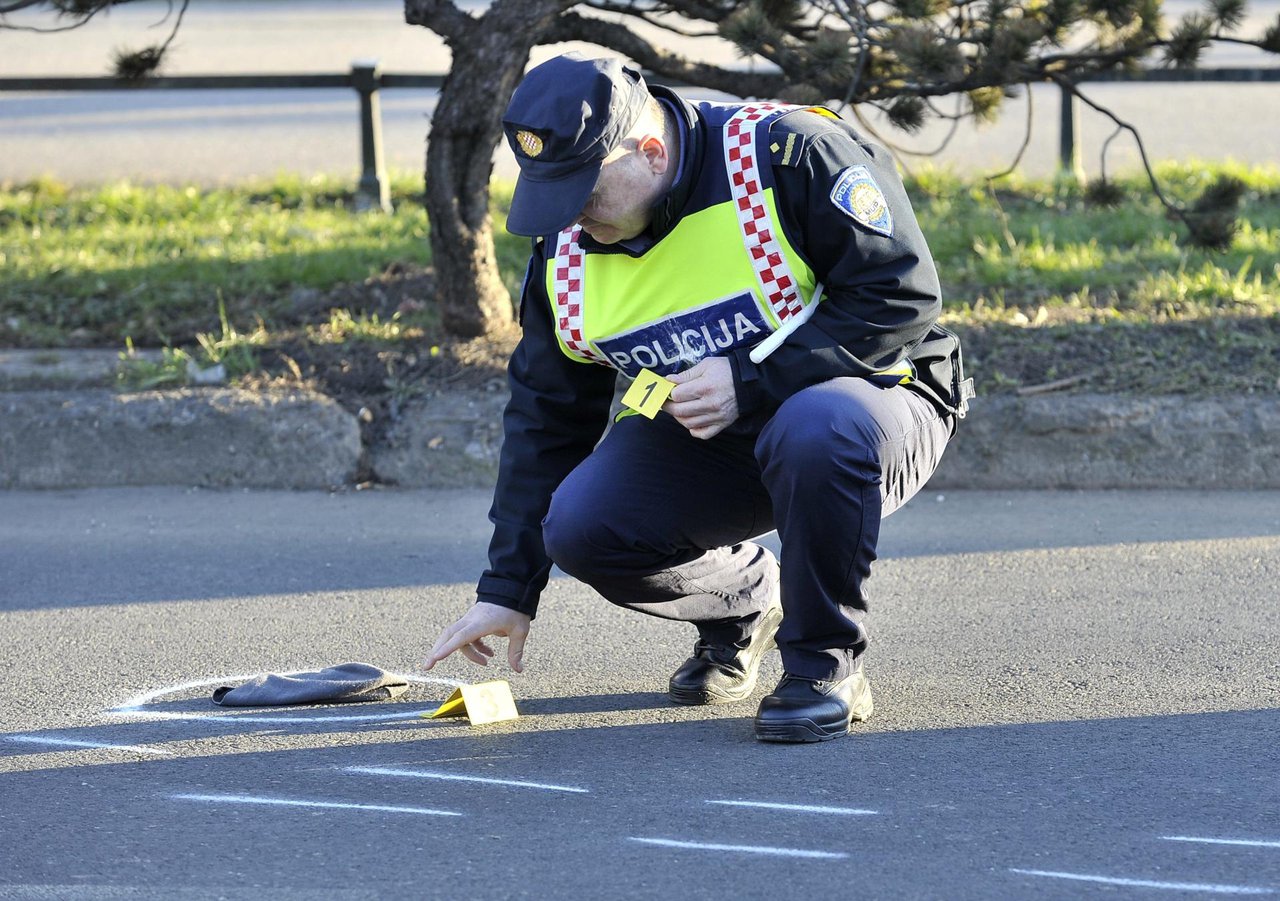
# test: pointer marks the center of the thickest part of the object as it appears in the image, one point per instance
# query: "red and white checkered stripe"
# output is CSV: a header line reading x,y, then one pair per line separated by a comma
x,y
567,286
777,283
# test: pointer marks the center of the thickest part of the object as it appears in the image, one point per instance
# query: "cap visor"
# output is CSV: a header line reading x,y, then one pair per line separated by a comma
x,y
547,207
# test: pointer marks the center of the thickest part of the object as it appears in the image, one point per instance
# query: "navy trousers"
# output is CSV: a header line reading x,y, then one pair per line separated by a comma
x,y
661,522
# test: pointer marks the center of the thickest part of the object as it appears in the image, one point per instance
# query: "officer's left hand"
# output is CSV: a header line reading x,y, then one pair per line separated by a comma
x,y
704,400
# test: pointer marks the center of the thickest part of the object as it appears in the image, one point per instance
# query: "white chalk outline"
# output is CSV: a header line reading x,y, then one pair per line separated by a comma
x,y
72,743
1241,842
454,777
330,805
799,808
746,849
133,707
1148,883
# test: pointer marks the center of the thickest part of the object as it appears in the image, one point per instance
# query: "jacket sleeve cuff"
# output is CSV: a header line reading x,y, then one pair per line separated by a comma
x,y
505,593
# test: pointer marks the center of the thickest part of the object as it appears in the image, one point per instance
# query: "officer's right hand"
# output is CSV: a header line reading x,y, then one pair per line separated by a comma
x,y
704,399
468,633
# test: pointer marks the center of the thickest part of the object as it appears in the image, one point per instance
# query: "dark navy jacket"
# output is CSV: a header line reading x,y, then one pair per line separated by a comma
x,y
882,303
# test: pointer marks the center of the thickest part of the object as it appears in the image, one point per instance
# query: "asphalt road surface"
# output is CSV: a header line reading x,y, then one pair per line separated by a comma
x,y
220,136
1077,697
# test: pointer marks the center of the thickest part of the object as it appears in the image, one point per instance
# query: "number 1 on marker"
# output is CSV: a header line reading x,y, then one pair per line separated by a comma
x,y
648,393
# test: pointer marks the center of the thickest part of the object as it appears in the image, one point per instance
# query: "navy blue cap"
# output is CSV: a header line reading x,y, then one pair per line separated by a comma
x,y
564,118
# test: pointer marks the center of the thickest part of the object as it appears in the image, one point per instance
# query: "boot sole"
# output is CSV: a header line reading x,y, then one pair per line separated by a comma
x,y
802,730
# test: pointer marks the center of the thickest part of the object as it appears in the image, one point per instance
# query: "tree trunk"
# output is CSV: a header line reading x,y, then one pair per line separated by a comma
x,y
489,57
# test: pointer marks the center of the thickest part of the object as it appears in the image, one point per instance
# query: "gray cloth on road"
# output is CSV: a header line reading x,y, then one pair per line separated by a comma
x,y
344,683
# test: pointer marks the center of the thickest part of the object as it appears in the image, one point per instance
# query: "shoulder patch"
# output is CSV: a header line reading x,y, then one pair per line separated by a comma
x,y
787,149
857,195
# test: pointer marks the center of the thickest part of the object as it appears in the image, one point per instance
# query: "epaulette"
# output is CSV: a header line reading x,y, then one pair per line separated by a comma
x,y
790,135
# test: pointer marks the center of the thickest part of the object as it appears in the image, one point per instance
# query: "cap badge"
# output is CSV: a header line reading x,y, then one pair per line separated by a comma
x,y
529,142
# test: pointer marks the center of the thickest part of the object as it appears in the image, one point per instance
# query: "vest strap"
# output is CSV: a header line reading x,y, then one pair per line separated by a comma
x,y
568,291
742,159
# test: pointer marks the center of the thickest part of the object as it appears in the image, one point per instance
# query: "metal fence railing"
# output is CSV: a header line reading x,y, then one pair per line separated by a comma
x,y
1069,117
367,79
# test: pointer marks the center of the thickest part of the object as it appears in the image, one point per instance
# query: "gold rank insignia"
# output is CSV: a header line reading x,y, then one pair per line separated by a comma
x,y
789,151
530,143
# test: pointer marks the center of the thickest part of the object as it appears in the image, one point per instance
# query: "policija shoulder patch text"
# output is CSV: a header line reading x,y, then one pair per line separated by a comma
x,y
857,195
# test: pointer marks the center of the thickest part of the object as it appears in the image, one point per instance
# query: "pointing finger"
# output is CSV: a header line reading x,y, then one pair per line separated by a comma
x,y
455,637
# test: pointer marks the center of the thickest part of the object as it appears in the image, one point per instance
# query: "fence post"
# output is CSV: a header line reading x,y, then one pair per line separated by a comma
x,y
373,190
1069,165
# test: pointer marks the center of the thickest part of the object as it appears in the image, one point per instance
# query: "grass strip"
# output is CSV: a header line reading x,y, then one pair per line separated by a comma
x,y
1046,285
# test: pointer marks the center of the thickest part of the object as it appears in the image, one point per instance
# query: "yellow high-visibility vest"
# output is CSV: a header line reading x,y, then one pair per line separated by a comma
x,y
724,277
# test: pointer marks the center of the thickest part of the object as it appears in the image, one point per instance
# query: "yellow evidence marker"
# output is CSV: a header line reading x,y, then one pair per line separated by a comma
x,y
648,393
484,702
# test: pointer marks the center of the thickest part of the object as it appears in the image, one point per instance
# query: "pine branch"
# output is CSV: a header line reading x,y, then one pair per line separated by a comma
x,y
618,37
1244,42
1271,37
8,26
1026,141
694,10
147,61
14,5
654,17
80,12
858,20
1205,222
954,118
895,151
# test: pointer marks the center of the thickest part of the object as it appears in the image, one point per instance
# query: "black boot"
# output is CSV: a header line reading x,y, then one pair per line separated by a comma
x,y
802,710
717,674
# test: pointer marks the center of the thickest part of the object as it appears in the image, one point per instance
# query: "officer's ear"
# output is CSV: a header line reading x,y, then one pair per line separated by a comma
x,y
655,153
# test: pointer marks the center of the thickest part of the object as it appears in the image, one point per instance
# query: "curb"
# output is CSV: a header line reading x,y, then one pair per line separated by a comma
x,y
209,438
229,438
1092,441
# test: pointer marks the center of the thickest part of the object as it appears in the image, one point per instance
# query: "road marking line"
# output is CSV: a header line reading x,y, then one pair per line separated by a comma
x,y
72,743
334,805
801,808
426,774
748,849
136,706
1243,842
1147,883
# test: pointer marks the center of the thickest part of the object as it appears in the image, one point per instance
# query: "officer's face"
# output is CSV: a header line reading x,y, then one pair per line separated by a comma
x,y
630,182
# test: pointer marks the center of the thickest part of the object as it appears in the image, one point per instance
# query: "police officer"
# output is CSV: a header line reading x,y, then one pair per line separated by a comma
x,y
676,238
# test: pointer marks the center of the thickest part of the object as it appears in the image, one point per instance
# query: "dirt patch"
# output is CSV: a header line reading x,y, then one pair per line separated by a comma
x,y
358,372
376,378
403,288
1226,356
